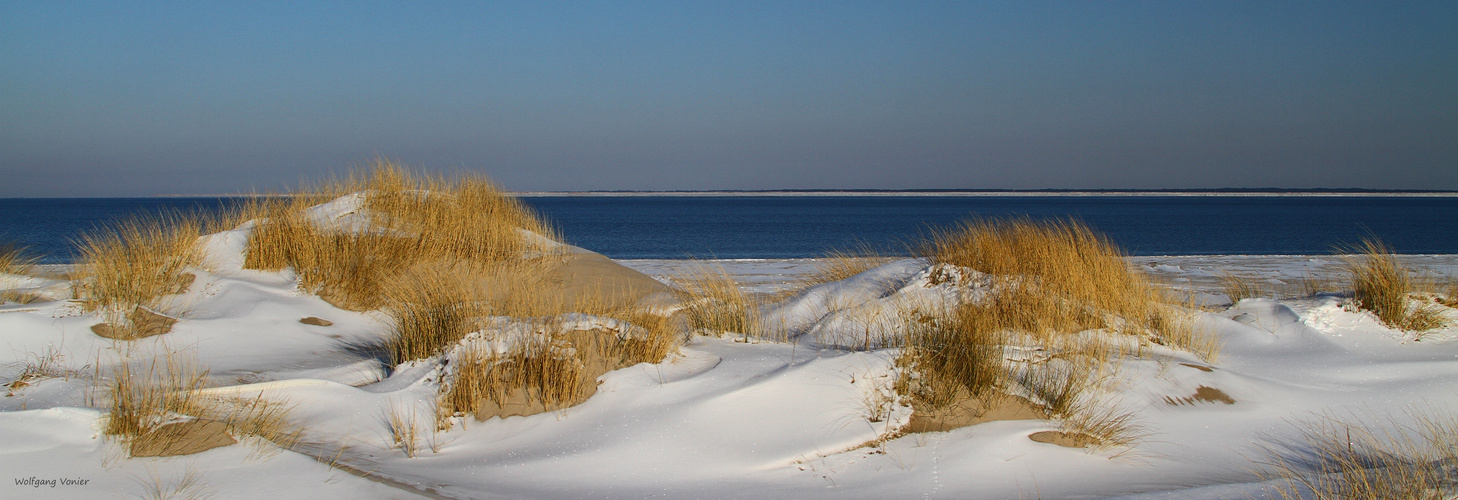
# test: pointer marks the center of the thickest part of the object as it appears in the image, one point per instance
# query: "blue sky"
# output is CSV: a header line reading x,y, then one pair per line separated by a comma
x,y
130,99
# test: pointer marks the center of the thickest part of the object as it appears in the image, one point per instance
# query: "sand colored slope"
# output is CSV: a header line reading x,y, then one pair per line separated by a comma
x,y
583,274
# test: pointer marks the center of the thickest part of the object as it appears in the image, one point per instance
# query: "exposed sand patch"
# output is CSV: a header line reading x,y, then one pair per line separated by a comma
x,y
1202,368
1203,394
316,321
145,323
1064,439
971,411
589,274
182,438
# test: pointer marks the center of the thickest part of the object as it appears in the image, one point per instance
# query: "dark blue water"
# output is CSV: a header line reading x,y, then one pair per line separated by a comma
x,y
634,227
807,226
48,228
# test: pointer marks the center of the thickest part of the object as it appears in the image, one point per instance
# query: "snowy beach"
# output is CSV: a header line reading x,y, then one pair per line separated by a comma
x,y
801,417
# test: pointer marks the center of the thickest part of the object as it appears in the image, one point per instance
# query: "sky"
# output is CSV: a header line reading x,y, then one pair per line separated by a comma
x,y
152,98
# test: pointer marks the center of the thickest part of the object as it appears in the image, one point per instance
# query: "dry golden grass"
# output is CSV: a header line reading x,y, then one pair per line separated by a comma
x,y
414,219
1239,288
1057,384
1105,426
441,257
146,396
432,310
435,305
1383,285
191,485
1061,277
258,416
841,264
1311,285
37,366
1050,282
717,304
553,364
135,265
948,358
535,375
652,338
1368,457
468,218
13,259
404,428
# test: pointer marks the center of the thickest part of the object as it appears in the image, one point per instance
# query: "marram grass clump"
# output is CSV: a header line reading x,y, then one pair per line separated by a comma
x,y
159,408
413,219
435,306
13,259
130,271
553,363
1050,282
446,258
1384,286
1060,277
717,305
431,309
1362,455
1239,288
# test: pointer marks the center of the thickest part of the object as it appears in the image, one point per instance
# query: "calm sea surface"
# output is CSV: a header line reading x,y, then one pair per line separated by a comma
x,y
737,227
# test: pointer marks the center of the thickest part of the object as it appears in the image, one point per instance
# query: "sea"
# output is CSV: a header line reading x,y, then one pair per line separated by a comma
x,y
806,226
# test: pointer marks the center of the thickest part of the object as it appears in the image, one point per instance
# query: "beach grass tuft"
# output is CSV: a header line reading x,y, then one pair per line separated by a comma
x,y
130,270
535,375
413,219
554,365
949,358
38,366
191,485
432,309
147,396
13,259
1447,292
404,428
1365,456
1061,277
1311,285
1051,281
718,305
1239,288
144,395
444,258
1105,426
837,265
1384,286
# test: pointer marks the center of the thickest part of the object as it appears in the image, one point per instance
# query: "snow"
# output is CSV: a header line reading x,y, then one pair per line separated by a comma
x,y
797,414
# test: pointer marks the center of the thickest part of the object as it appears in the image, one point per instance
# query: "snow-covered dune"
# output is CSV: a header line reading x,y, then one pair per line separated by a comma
x,y
798,414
